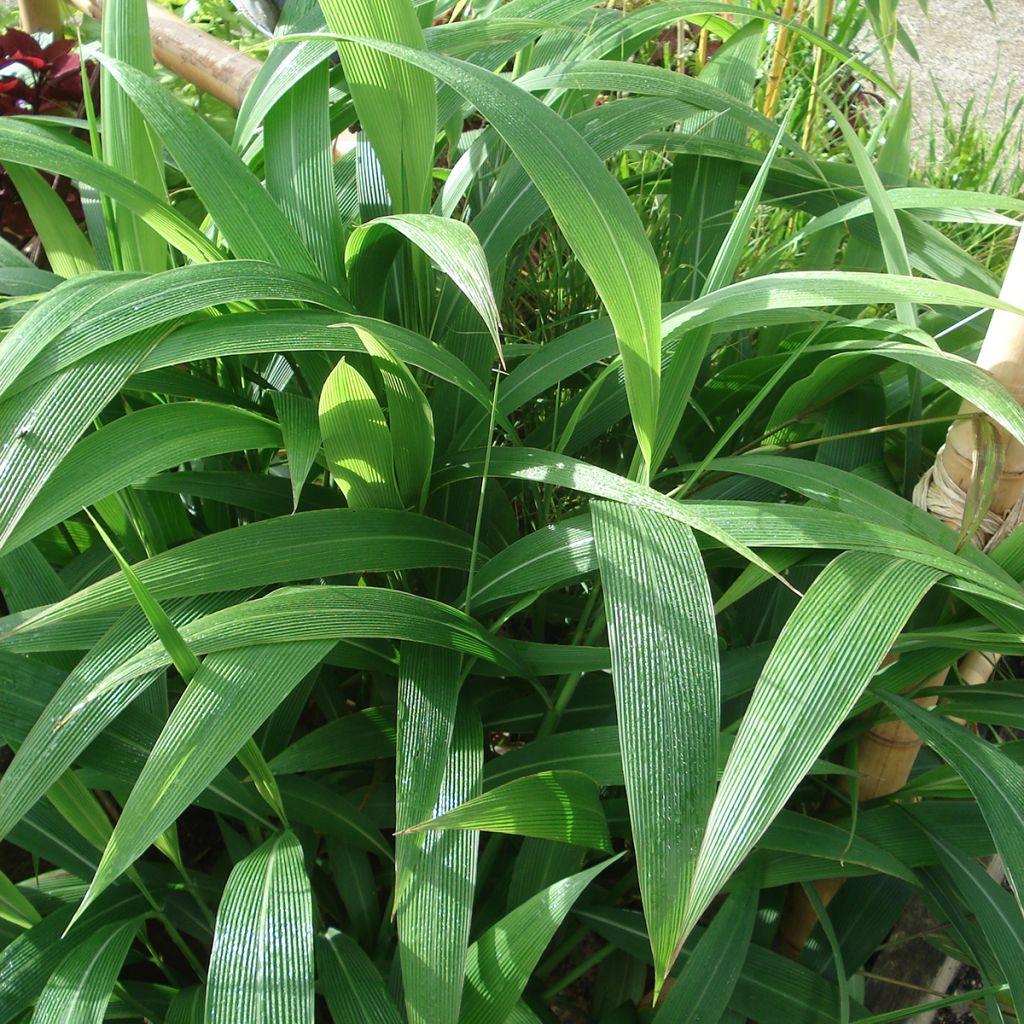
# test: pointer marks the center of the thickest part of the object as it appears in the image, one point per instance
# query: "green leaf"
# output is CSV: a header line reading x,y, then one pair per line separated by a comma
x,y
36,146
352,986
591,209
251,222
14,907
357,441
66,248
996,782
992,907
261,966
410,420
80,988
365,735
558,805
28,961
306,545
435,870
227,700
42,423
300,431
665,670
389,92
501,961
124,451
127,143
827,653
703,990
297,152
452,245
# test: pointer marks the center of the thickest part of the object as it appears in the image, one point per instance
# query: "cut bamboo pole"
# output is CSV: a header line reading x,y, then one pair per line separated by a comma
x,y
41,16
774,86
887,752
208,63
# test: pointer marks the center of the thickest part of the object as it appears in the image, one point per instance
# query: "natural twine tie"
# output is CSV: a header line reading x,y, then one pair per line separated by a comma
x,y
941,496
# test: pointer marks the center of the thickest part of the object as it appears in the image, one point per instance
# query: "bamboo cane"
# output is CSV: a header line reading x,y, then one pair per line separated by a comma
x,y
41,16
774,86
208,63
887,752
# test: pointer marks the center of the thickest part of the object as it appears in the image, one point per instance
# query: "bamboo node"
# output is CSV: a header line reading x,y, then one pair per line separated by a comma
x,y
941,496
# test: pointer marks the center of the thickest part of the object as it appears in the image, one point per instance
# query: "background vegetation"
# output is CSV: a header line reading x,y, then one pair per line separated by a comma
x,y
447,583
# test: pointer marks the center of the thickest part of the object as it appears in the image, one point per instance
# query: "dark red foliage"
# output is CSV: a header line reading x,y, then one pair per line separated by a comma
x,y
36,79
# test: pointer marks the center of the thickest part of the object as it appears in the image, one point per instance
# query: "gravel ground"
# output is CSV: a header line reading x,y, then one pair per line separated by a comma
x,y
967,53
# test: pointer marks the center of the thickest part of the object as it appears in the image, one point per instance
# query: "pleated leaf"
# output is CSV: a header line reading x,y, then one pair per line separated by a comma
x,y
558,805
352,986
452,245
703,990
80,988
66,248
227,700
591,209
661,630
436,869
390,92
357,442
993,908
363,736
501,961
996,781
251,222
261,966
128,145
300,431
410,419
827,652
297,153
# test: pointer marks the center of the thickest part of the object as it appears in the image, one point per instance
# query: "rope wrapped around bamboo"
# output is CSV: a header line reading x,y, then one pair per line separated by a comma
x,y
887,752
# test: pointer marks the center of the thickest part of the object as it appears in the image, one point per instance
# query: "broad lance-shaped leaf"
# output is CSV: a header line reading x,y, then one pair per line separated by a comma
x,y
501,961
357,441
826,655
440,763
705,985
251,222
591,209
996,781
395,99
80,988
67,249
329,542
410,419
994,909
452,245
558,805
128,145
661,630
28,961
227,700
300,431
261,966
41,424
365,735
352,986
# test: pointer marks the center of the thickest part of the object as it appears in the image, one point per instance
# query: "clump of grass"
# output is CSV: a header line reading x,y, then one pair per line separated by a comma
x,y
452,580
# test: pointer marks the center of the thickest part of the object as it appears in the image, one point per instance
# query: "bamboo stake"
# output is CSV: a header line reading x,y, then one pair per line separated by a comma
x,y
887,752
208,63
41,16
819,68
774,86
